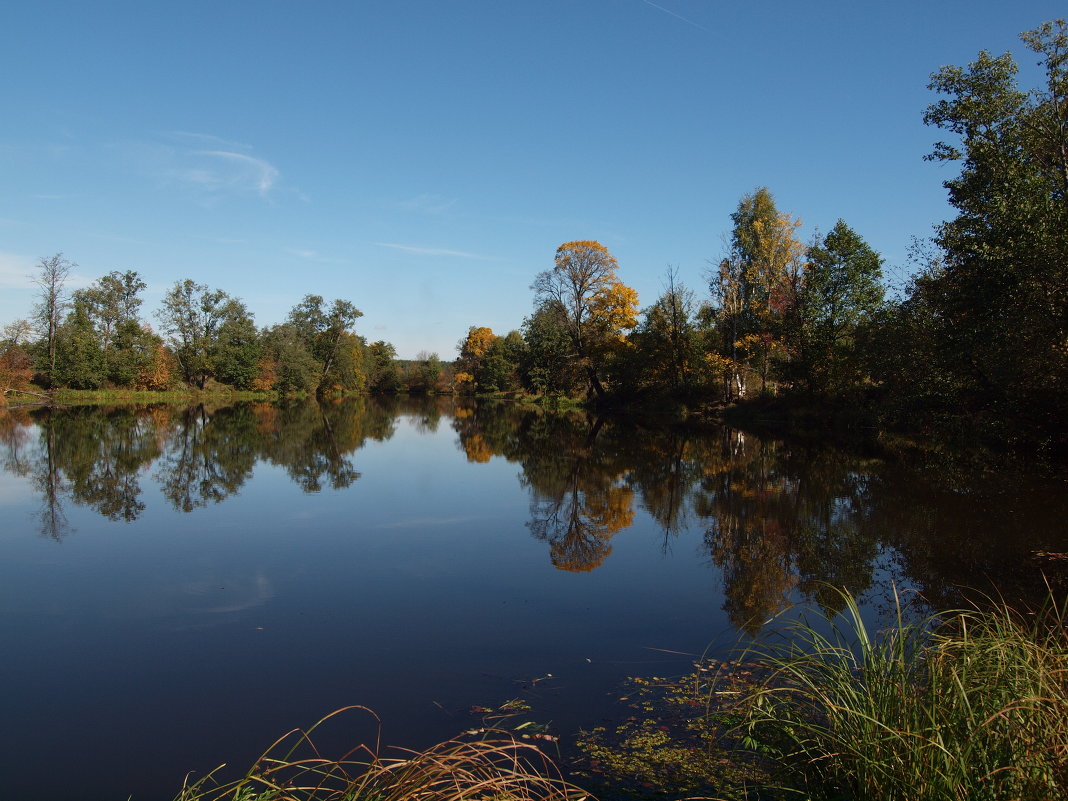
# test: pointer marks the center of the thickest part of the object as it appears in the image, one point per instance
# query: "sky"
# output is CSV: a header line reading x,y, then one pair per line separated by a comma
x,y
424,159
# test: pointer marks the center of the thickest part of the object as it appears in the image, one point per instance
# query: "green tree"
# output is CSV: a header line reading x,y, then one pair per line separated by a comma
x,y
382,375
597,308
203,324
323,329
1001,297
79,359
112,303
500,368
547,366
841,292
423,378
667,340
286,366
239,348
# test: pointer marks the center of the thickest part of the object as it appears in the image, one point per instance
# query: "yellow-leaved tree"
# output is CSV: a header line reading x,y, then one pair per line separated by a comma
x,y
596,307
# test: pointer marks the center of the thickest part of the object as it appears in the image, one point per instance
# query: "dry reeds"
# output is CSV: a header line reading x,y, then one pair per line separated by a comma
x,y
494,767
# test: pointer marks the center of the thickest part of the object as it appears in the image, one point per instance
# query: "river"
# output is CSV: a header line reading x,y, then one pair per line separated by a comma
x,y
180,585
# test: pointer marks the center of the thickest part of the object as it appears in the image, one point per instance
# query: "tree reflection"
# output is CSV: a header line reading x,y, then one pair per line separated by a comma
x,y
781,519
208,456
777,520
575,467
95,456
101,452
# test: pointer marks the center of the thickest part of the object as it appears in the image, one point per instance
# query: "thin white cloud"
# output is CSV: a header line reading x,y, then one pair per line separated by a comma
x,y
314,255
425,251
676,16
262,174
208,139
213,172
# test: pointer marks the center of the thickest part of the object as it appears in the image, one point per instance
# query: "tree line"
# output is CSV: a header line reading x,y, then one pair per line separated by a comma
x,y
979,337
96,338
980,334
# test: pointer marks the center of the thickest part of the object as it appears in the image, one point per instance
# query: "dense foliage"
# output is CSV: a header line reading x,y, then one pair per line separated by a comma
x,y
978,340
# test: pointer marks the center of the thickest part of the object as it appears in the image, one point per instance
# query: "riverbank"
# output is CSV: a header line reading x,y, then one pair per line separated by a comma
x,y
967,704
71,397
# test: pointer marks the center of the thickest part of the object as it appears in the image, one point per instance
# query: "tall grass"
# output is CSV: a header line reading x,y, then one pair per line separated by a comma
x,y
495,767
968,705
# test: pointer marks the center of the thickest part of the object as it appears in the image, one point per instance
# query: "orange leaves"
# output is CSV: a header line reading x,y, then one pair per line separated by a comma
x,y
585,255
479,339
159,373
615,307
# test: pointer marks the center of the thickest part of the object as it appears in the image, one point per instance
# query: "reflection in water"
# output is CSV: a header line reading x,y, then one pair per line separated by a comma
x,y
778,519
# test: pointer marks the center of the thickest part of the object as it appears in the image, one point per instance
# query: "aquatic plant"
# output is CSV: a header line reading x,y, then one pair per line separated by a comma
x,y
971,704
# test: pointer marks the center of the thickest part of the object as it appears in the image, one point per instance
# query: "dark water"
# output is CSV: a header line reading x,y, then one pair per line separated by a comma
x,y
180,586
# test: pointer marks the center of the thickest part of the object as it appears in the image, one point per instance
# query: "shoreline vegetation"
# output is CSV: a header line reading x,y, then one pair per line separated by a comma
x,y
965,704
807,332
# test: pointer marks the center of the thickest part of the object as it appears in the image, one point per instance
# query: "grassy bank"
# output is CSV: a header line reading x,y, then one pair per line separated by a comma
x,y
73,397
967,705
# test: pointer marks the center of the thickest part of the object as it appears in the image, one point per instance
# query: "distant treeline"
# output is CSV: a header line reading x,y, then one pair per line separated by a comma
x,y
95,338
979,336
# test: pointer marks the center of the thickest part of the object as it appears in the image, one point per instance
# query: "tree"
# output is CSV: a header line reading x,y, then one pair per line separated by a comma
x,y
16,367
51,278
382,373
667,338
547,366
473,350
239,347
285,364
202,324
500,367
423,379
1001,297
112,304
79,359
323,330
756,285
842,289
596,307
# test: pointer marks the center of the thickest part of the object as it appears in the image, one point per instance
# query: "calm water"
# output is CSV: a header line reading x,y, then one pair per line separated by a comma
x,y
180,586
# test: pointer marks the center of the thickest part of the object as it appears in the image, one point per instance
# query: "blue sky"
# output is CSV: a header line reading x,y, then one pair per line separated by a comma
x,y
424,159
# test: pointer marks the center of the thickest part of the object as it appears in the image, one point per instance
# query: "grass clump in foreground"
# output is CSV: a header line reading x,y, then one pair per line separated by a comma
x,y
968,705
292,769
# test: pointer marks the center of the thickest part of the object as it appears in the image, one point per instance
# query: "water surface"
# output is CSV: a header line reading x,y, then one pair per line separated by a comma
x,y
178,586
